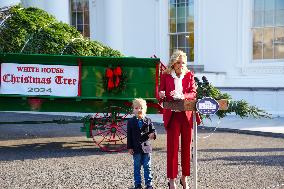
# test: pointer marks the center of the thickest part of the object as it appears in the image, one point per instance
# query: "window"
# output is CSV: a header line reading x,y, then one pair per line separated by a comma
x,y
268,29
80,16
181,26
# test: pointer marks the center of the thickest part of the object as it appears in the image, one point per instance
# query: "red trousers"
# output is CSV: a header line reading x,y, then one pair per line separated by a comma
x,y
177,126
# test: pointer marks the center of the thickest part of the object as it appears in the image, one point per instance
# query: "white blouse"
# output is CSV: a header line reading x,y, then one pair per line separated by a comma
x,y
178,85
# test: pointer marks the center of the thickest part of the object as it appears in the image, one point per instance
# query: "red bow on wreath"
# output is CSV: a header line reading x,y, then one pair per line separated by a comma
x,y
117,73
110,74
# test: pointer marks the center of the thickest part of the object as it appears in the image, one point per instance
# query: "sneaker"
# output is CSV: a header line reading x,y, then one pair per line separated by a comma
x,y
138,186
149,187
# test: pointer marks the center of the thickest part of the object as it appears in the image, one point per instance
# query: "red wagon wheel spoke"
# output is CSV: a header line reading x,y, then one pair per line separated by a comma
x,y
123,128
102,133
110,129
123,134
119,136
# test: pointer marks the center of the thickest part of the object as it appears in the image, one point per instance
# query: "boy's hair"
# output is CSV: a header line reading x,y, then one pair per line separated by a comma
x,y
140,102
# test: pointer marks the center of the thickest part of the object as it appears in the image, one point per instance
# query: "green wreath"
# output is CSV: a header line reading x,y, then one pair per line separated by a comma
x,y
114,79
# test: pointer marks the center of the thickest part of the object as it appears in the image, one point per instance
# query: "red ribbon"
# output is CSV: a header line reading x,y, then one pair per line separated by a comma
x,y
117,72
113,77
109,76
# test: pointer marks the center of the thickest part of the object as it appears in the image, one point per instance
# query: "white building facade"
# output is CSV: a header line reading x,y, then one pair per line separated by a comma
x,y
239,44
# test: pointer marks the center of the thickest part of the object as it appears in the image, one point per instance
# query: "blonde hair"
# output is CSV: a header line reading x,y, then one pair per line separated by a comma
x,y
174,58
140,102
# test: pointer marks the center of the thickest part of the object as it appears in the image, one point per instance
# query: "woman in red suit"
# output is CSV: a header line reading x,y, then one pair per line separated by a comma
x,y
177,82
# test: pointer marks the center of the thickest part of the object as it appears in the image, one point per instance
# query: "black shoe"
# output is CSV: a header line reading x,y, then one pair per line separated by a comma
x,y
180,183
169,185
138,186
184,187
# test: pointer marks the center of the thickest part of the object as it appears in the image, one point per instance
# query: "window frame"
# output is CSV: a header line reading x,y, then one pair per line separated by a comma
x,y
179,33
263,27
85,25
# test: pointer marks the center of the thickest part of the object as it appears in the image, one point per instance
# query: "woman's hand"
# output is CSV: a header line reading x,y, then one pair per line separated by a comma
x,y
172,93
130,151
162,94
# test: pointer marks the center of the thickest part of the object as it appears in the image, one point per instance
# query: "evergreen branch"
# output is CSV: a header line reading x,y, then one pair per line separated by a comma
x,y
240,107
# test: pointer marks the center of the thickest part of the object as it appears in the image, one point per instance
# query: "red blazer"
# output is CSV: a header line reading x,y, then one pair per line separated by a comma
x,y
189,90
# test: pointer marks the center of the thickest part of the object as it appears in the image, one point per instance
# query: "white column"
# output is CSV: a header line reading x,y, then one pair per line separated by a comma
x,y
33,3
7,3
93,8
59,9
197,32
113,24
164,32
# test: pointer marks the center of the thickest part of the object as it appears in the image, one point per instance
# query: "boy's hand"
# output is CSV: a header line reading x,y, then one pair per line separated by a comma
x,y
130,151
151,135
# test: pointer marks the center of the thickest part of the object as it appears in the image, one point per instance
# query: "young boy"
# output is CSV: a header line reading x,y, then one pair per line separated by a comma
x,y
139,131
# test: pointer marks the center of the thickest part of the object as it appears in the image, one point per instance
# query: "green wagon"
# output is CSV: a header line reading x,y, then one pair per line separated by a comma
x,y
103,86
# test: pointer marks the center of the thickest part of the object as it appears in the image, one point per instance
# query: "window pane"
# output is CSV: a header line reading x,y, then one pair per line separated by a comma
x,y
190,18
257,43
182,1
181,24
268,43
86,5
80,28
79,6
172,12
190,44
190,40
184,50
258,12
173,41
181,41
279,12
190,9
279,43
187,51
269,13
79,18
86,31
181,11
73,6
86,17
172,25
189,25
73,19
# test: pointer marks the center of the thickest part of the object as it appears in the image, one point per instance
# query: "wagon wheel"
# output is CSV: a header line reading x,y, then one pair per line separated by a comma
x,y
109,130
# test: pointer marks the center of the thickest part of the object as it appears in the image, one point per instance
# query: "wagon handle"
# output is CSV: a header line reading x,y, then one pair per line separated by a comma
x,y
160,67
79,62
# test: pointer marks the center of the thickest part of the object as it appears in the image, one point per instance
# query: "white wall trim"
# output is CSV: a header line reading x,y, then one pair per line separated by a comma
x,y
197,32
164,40
157,27
244,45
